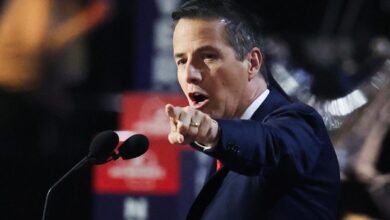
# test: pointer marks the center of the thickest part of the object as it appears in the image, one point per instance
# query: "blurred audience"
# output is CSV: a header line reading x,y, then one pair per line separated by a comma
x,y
354,101
366,174
34,101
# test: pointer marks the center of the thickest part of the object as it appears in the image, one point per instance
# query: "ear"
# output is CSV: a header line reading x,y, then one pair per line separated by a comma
x,y
255,60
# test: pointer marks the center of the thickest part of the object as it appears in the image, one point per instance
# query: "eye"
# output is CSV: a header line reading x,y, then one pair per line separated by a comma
x,y
181,61
209,56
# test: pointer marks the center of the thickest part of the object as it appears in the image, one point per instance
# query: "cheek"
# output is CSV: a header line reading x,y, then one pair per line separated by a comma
x,y
223,94
222,85
182,83
230,89
231,84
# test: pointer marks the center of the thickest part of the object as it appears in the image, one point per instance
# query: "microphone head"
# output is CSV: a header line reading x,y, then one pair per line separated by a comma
x,y
134,146
102,146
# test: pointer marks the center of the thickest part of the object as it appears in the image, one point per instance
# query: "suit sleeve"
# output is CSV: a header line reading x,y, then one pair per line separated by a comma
x,y
287,142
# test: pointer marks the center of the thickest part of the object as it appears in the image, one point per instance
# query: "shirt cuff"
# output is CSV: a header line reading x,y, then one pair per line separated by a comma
x,y
204,147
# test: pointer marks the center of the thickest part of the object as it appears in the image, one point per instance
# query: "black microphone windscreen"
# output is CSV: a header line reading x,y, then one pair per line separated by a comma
x,y
102,146
134,146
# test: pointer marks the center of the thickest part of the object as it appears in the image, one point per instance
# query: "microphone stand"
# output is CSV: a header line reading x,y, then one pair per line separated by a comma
x,y
75,167
98,155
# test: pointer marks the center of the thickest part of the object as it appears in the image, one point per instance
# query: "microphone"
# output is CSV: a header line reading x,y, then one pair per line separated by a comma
x,y
102,147
100,150
133,147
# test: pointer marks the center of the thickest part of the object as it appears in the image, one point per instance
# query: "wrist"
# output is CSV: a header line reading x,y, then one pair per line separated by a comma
x,y
214,138
215,134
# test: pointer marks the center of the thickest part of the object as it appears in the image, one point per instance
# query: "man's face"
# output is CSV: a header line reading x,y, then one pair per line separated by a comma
x,y
211,77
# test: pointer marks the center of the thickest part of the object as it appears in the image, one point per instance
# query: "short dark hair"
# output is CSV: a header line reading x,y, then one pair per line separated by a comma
x,y
242,28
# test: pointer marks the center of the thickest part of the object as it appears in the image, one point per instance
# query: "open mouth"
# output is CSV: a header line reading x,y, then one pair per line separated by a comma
x,y
198,100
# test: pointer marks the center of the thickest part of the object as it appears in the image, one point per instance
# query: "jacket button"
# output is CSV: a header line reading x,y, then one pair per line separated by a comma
x,y
233,147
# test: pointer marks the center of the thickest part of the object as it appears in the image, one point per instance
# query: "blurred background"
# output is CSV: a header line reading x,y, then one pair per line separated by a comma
x,y
72,68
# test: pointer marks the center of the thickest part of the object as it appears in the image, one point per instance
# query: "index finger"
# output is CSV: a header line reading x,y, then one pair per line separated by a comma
x,y
172,111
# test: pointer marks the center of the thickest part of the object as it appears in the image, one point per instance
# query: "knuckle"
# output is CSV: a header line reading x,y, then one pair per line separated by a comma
x,y
198,114
204,118
181,115
190,108
182,128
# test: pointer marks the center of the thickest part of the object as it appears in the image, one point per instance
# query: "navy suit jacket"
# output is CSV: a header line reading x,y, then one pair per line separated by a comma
x,y
280,164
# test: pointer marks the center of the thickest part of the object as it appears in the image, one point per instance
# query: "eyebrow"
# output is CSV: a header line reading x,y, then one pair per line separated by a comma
x,y
198,50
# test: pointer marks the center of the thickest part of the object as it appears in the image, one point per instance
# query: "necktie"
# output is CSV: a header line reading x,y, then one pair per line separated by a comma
x,y
219,165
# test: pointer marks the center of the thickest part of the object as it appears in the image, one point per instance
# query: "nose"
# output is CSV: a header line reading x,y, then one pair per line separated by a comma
x,y
193,74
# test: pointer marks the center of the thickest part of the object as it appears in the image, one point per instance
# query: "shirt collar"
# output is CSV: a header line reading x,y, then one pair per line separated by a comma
x,y
255,105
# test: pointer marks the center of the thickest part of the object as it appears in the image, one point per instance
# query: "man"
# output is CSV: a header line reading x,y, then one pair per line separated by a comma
x,y
277,159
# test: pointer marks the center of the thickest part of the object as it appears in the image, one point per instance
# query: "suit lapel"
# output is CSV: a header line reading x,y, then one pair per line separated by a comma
x,y
207,194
